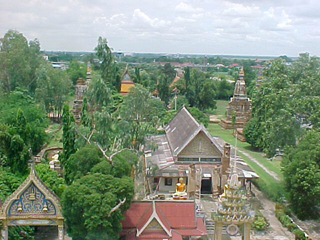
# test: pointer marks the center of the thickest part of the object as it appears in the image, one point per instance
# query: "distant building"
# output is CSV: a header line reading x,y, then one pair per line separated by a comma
x,y
60,65
126,82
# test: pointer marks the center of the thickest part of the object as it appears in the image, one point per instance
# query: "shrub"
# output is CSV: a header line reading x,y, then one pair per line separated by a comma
x,y
260,224
299,234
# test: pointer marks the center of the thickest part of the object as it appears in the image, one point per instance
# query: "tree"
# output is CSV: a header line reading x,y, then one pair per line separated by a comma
x,y
164,89
76,71
99,94
88,206
207,95
140,114
199,116
81,162
85,118
51,179
301,168
104,54
53,87
68,137
14,61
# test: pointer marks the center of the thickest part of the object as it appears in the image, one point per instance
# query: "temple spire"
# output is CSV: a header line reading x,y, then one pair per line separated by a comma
x,y
240,87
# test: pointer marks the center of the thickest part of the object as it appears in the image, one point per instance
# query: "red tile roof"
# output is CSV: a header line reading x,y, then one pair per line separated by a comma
x,y
155,234
176,216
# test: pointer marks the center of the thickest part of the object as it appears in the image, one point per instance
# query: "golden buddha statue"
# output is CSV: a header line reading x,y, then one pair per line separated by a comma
x,y
180,190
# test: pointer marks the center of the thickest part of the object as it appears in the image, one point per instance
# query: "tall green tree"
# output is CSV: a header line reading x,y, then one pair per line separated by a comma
x,y
18,61
164,89
301,168
104,54
88,203
76,70
140,114
53,87
68,138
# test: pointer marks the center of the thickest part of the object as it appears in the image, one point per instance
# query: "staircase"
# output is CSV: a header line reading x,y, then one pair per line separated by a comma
x,y
210,226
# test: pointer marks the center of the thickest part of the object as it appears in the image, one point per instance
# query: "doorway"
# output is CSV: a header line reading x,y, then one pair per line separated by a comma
x,y
206,186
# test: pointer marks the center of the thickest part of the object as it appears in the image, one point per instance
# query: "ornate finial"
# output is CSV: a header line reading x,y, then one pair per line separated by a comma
x,y
241,73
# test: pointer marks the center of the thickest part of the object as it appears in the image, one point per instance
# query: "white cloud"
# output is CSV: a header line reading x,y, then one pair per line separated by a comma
x,y
186,8
140,16
220,26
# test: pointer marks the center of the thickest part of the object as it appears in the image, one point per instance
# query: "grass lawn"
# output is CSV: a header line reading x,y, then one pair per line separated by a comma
x,y
221,108
55,135
272,184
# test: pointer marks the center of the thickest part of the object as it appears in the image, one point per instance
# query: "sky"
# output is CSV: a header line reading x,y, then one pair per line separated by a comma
x,y
232,27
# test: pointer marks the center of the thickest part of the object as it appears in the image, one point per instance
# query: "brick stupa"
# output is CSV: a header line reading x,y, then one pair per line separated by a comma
x,y
239,106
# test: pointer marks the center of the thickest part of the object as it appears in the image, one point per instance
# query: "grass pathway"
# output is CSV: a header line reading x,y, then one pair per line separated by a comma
x,y
271,173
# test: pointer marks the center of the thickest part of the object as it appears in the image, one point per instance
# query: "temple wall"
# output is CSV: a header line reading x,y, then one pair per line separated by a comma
x,y
200,146
172,188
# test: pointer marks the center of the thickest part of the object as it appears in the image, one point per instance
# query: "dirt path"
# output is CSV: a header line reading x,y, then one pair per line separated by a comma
x,y
277,230
271,173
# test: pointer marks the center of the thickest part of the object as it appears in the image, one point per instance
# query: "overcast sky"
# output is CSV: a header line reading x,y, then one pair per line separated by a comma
x,y
242,27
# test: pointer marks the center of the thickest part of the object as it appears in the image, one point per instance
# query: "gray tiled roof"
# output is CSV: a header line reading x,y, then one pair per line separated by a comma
x,y
179,129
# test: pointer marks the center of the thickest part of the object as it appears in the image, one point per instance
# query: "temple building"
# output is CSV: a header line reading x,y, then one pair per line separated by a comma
x,y
187,154
32,204
126,82
171,220
239,108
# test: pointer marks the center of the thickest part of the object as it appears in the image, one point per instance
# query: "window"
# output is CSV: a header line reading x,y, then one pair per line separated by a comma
x,y
155,180
188,159
168,181
210,159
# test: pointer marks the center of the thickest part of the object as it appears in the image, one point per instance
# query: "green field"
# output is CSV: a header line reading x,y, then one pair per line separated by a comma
x,y
221,108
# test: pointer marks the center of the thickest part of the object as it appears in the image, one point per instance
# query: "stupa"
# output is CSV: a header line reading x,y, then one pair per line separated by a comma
x,y
239,108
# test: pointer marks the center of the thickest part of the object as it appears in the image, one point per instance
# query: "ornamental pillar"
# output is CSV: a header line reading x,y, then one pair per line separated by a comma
x,y
4,232
246,231
218,231
60,232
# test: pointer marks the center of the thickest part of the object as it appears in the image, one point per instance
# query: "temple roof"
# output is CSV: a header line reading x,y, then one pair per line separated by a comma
x,y
126,82
182,129
42,195
170,215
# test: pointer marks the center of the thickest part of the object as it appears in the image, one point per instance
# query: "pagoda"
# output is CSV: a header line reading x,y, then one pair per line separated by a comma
x,y
239,108
233,211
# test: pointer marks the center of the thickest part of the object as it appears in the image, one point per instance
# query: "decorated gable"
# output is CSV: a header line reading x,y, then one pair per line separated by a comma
x,y
200,147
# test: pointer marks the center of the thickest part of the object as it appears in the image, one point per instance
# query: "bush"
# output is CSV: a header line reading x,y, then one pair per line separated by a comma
x,y
299,234
260,224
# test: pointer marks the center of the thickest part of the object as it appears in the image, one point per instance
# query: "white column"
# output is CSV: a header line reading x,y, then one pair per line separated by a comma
x,y
60,232
247,228
4,232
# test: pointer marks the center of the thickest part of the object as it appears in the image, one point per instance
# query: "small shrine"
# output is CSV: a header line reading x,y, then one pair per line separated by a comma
x,y
233,212
126,82
32,204
239,108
